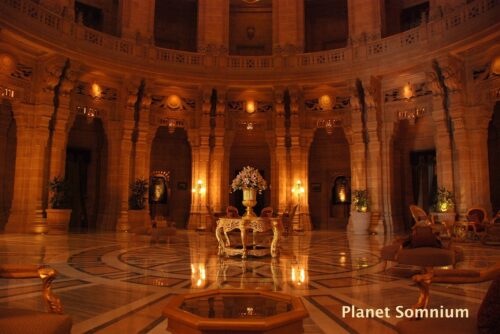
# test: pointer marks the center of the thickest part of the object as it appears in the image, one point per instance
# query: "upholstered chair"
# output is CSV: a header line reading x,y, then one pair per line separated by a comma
x,y
478,219
267,212
420,216
486,320
232,212
20,321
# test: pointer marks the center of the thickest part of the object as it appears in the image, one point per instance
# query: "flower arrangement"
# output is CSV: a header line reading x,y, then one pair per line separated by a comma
x,y
360,200
445,200
249,177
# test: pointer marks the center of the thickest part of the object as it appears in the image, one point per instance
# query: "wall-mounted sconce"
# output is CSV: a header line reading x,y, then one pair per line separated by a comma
x,y
7,63
250,106
411,114
325,102
407,91
174,101
95,90
329,124
171,126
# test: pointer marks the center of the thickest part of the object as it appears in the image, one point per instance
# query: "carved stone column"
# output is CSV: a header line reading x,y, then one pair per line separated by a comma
x,y
280,186
479,181
32,121
300,142
444,161
138,17
364,19
110,212
218,183
288,24
124,174
5,123
387,170
200,151
213,24
373,164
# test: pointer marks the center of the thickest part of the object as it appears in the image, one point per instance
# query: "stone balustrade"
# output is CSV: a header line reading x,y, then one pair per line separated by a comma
x,y
26,16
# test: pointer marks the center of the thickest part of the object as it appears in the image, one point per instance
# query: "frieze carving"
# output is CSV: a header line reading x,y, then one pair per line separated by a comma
x,y
396,94
239,106
160,102
22,72
341,102
84,89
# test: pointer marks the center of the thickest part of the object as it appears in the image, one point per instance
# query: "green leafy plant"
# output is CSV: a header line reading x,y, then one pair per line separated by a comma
x,y
138,189
445,200
59,189
360,200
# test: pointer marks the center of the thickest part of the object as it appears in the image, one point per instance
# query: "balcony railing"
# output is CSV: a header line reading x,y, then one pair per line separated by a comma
x,y
28,16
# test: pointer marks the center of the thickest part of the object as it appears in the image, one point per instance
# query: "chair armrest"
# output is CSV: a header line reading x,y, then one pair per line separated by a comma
x,y
46,274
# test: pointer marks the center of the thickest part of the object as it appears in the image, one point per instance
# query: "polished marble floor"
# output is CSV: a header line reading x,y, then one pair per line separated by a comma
x,y
120,282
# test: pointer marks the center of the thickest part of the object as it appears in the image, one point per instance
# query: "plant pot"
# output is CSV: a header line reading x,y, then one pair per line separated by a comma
x,y
58,220
445,218
138,219
359,222
249,200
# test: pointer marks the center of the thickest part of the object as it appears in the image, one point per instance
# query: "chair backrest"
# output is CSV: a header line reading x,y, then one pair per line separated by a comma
x,y
232,212
267,212
496,219
292,212
477,215
419,215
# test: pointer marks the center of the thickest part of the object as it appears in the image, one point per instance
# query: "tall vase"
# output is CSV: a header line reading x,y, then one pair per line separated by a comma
x,y
249,200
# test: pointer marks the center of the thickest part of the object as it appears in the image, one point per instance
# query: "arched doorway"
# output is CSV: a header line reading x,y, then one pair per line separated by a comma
x,y
250,149
329,179
86,162
8,158
171,152
494,158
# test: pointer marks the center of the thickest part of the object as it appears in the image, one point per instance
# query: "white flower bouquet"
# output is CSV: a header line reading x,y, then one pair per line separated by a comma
x,y
249,177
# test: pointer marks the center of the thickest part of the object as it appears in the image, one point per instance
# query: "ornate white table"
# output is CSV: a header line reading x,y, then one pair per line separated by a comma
x,y
256,225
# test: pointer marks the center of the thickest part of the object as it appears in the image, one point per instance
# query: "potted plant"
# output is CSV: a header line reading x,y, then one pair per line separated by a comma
x,y
59,213
360,216
444,207
138,215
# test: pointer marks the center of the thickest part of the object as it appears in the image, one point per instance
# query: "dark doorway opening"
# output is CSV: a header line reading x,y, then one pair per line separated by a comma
x,y
424,178
77,165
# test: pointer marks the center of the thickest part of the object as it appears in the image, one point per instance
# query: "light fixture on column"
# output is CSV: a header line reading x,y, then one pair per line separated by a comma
x,y
325,102
250,106
171,126
298,190
407,91
95,90
174,101
199,190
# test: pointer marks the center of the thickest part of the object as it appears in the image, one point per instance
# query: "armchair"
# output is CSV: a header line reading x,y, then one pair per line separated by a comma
x,y
487,320
478,219
420,216
33,322
492,231
232,212
267,212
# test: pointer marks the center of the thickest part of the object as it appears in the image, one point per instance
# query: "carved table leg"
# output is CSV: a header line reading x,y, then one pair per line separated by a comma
x,y
276,238
243,242
218,235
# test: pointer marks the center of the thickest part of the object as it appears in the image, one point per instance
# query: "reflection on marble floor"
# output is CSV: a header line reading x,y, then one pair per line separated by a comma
x,y
119,283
